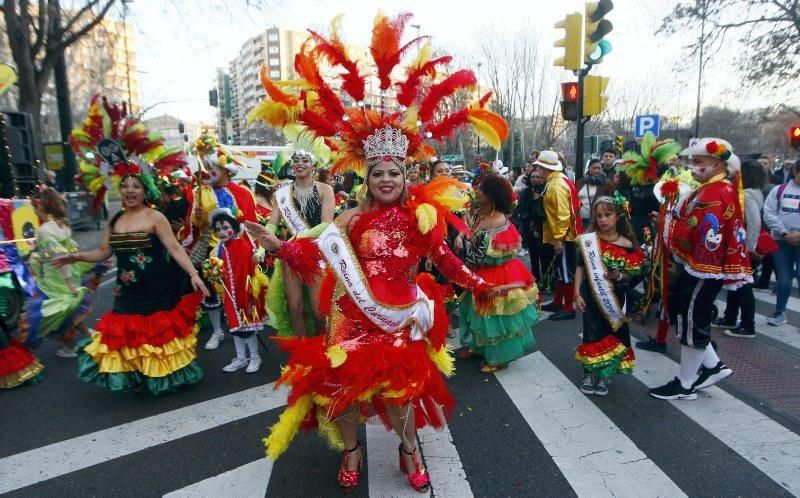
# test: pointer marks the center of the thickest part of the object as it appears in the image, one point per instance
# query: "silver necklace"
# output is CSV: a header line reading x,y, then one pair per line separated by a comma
x,y
304,195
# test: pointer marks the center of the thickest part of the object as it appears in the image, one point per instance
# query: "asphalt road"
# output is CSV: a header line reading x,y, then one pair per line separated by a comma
x,y
522,432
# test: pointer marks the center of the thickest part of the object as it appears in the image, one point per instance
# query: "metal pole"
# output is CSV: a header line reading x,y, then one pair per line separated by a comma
x,y
64,111
580,125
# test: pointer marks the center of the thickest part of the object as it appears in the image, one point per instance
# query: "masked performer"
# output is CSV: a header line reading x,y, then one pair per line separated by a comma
x,y
237,277
384,339
707,237
216,190
147,341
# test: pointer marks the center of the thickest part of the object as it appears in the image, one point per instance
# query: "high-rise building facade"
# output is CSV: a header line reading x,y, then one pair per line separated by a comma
x,y
239,89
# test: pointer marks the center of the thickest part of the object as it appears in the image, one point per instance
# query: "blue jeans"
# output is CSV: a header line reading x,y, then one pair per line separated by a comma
x,y
787,267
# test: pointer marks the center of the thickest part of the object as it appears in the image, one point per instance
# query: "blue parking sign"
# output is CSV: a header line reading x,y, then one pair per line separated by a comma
x,y
648,122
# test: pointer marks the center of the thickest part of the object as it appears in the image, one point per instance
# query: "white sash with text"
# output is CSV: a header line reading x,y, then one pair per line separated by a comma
x,y
338,252
602,288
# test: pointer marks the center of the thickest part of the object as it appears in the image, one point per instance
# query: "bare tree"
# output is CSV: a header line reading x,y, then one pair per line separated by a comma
x,y
36,40
767,31
515,65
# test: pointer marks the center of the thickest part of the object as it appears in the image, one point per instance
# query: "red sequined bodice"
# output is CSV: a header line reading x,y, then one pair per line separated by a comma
x,y
389,248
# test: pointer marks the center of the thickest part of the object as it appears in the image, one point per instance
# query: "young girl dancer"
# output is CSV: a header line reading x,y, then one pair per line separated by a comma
x,y
609,257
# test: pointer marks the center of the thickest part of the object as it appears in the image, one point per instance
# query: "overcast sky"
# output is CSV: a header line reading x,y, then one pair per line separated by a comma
x,y
180,43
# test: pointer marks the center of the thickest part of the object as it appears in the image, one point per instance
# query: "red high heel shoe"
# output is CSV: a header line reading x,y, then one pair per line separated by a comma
x,y
419,479
348,479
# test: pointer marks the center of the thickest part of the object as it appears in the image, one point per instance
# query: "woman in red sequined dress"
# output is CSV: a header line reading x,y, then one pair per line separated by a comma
x,y
383,350
358,369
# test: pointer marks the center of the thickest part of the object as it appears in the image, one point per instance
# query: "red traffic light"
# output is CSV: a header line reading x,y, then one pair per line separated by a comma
x,y
794,136
570,91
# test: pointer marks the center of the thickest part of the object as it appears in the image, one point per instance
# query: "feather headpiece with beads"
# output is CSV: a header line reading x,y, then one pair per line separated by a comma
x,y
111,144
354,130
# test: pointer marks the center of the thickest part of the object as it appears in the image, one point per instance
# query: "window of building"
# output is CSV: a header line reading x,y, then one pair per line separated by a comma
x,y
274,61
273,49
274,74
273,37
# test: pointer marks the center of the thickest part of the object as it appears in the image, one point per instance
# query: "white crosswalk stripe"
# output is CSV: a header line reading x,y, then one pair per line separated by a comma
x,y
594,455
47,462
591,452
247,481
772,448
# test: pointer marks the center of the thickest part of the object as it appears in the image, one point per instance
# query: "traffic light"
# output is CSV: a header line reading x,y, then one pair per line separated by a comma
x,y
619,144
572,42
595,47
594,102
794,136
570,93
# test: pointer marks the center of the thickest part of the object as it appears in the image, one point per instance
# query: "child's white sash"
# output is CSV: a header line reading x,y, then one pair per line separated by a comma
x,y
602,288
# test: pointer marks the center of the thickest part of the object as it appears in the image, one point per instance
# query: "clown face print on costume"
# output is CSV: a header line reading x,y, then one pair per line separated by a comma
x,y
712,236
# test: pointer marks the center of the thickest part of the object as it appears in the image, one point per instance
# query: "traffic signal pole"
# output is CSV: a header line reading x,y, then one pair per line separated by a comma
x,y
580,123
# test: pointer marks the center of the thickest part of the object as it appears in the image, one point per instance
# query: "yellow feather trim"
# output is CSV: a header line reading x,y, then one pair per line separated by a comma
x,y
410,122
485,131
336,355
427,217
329,430
284,430
443,360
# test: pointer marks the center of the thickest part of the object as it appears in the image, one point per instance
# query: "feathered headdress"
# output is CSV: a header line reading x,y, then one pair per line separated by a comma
x,y
112,144
643,168
357,132
208,148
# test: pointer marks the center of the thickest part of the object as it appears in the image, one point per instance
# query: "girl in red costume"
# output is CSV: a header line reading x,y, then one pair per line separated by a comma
x,y
383,348
233,270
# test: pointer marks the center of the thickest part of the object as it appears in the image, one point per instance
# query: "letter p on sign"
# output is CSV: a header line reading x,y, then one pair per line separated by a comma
x,y
648,122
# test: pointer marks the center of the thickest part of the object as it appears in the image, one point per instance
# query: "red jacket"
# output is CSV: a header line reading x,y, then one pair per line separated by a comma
x,y
708,236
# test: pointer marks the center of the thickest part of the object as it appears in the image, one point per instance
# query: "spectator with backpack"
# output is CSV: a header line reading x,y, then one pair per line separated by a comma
x,y
782,216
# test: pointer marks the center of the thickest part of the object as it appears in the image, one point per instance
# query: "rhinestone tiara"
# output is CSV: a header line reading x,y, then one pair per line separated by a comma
x,y
386,143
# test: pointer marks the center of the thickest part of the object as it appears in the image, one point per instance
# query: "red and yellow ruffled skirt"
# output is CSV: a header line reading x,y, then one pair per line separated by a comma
x,y
606,357
18,365
153,353
370,369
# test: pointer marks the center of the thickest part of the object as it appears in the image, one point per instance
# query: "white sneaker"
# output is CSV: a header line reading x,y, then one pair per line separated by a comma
x,y
236,364
213,342
254,364
777,319
66,353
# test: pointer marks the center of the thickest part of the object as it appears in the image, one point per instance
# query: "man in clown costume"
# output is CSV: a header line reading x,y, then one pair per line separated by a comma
x,y
707,238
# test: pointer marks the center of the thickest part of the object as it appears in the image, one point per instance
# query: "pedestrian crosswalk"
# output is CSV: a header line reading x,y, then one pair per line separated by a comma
x,y
596,445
